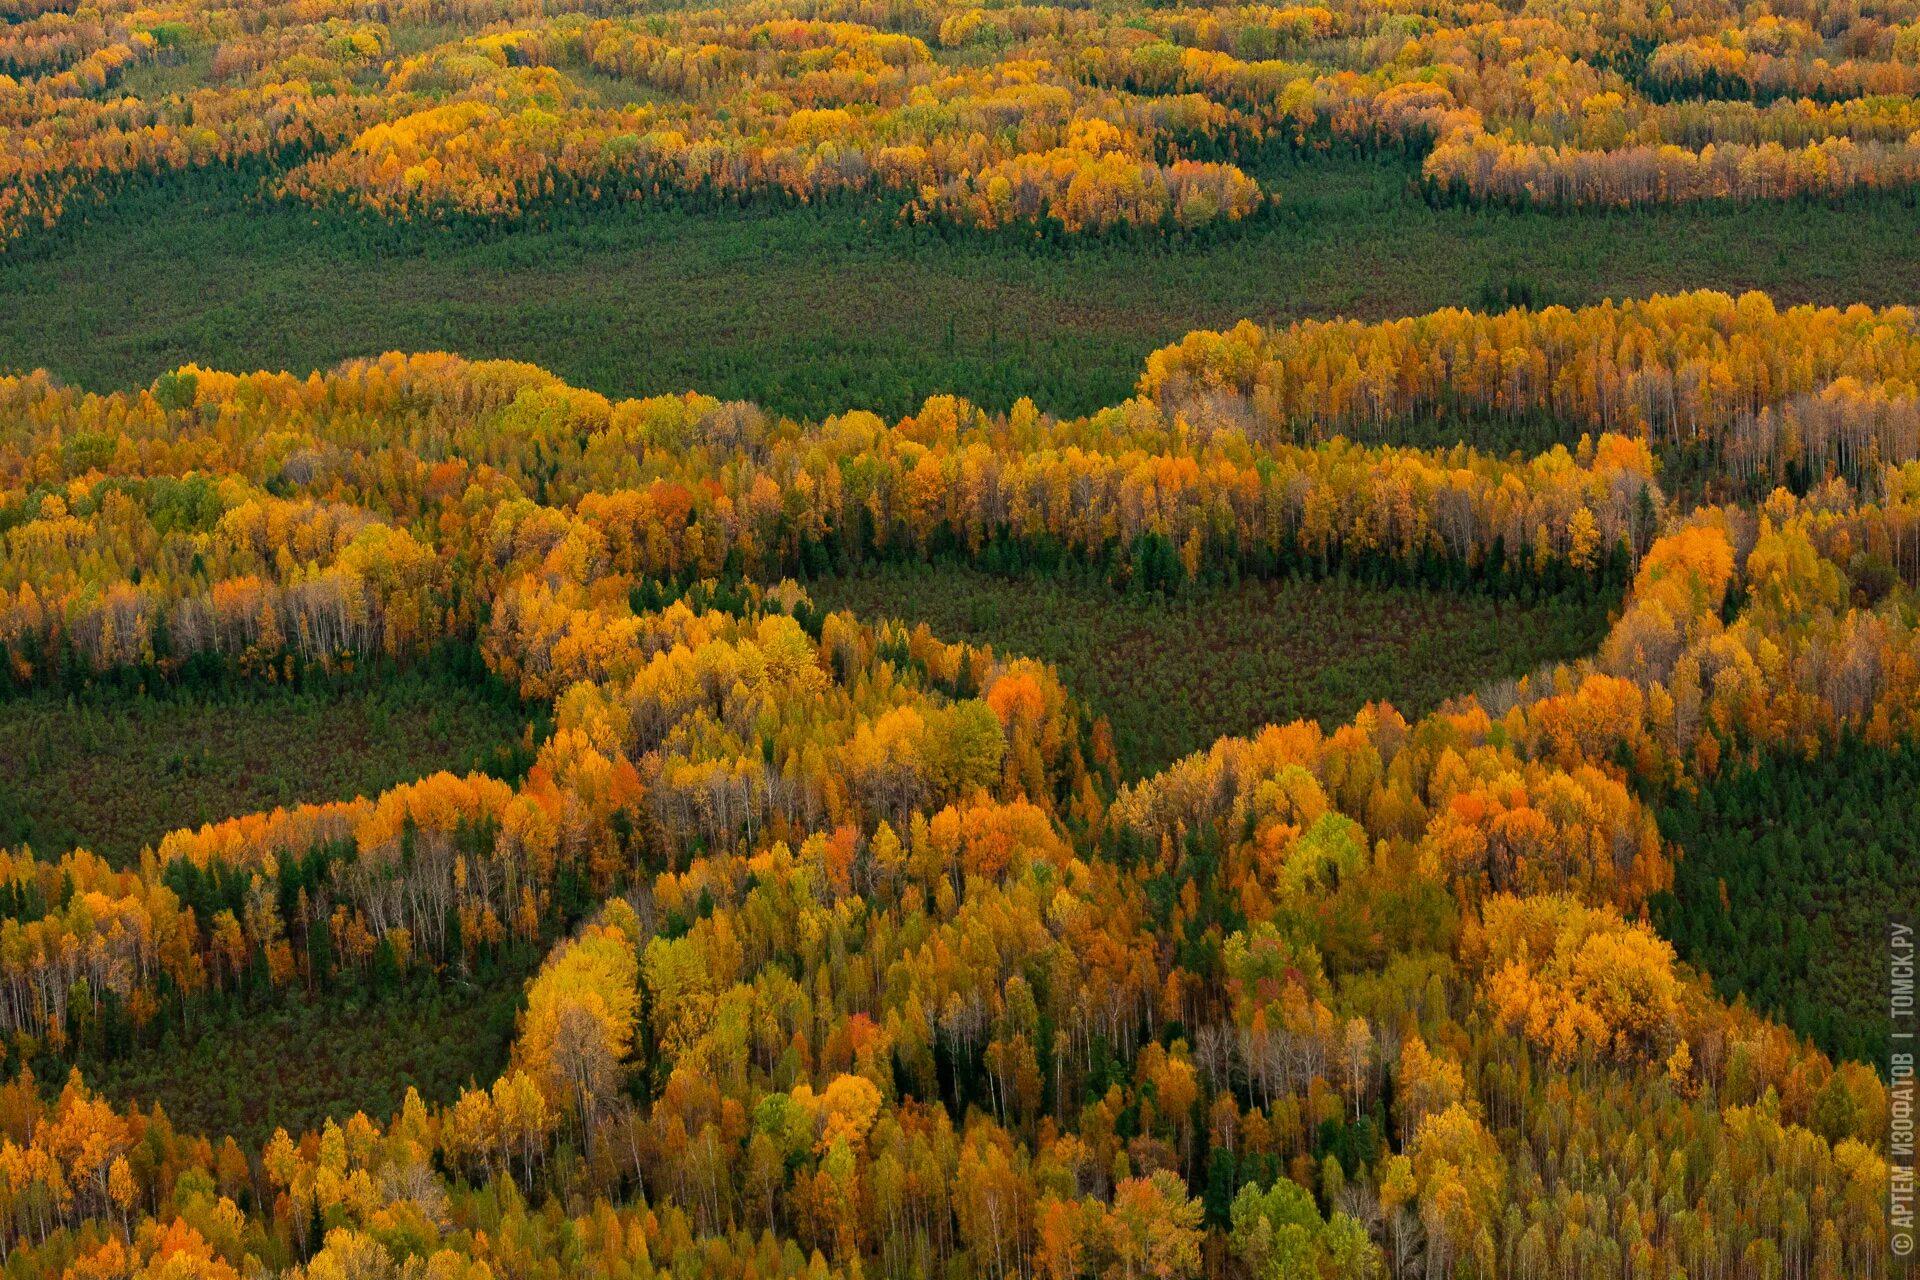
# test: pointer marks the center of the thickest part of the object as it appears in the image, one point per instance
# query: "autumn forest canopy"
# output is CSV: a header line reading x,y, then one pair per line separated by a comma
x,y
1106,641
819,208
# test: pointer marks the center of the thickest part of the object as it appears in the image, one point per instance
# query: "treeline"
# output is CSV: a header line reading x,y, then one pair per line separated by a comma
x,y
1737,395
1026,119
317,550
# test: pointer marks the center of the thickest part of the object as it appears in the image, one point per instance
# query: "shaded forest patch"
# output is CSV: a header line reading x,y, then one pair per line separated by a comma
x,y
113,772
300,1063
1787,882
1174,674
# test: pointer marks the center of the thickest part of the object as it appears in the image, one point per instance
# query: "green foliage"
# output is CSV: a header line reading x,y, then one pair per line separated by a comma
x,y
812,311
112,771
1280,1235
1173,674
175,391
1789,876
246,1072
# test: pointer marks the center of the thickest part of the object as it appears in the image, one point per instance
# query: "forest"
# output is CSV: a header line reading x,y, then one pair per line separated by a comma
x,y
807,939
1788,870
860,203
812,310
837,639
